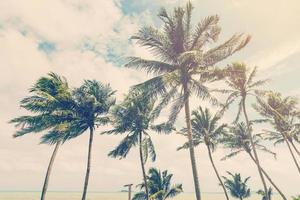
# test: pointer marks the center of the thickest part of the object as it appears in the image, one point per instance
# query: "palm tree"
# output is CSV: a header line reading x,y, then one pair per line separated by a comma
x,y
160,187
134,117
264,196
183,64
282,113
236,186
49,103
242,85
238,141
91,104
206,130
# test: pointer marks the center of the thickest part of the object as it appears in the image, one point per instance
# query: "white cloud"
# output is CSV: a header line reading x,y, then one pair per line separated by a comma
x,y
61,21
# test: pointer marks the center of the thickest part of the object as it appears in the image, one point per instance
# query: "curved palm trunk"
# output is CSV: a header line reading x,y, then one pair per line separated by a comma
x,y
143,166
216,171
45,187
88,168
295,148
190,138
254,149
269,179
292,153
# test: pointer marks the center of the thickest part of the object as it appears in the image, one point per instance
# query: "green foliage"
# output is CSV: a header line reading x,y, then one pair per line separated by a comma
x,y
205,128
91,104
283,114
62,112
49,102
238,140
160,187
241,83
296,197
237,187
184,63
135,116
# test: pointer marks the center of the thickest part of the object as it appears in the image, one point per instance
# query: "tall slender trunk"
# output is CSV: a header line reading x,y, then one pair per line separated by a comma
x,y
269,179
292,153
254,148
295,148
216,171
190,138
88,167
143,166
45,187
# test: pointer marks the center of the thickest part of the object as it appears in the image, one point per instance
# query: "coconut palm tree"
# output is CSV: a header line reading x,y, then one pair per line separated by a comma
x,y
283,114
91,104
184,63
242,84
238,141
48,101
135,117
237,187
160,187
206,130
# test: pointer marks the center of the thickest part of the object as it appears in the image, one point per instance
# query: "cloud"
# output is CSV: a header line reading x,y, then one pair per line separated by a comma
x,y
33,44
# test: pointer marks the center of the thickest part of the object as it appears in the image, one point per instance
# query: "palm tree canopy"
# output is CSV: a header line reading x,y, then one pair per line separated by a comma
x,y
49,103
241,82
205,128
134,116
160,187
238,141
91,104
237,187
283,113
182,57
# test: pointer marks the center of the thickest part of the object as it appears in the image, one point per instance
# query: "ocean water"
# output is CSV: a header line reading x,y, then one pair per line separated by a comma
x,y
107,196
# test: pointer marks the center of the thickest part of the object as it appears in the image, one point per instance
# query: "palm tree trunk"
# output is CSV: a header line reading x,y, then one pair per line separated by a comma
x,y
254,148
45,187
216,171
269,179
292,153
88,168
190,139
295,148
143,166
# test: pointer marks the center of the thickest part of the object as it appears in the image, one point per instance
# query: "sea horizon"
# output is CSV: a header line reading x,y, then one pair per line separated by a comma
x,y
98,195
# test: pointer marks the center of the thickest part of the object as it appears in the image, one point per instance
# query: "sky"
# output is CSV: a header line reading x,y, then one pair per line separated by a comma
x,y
83,40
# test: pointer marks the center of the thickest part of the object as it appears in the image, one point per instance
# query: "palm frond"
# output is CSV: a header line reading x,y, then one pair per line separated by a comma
x,y
203,92
232,154
206,30
124,147
175,109
150,66
163,128
175,190
228,48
